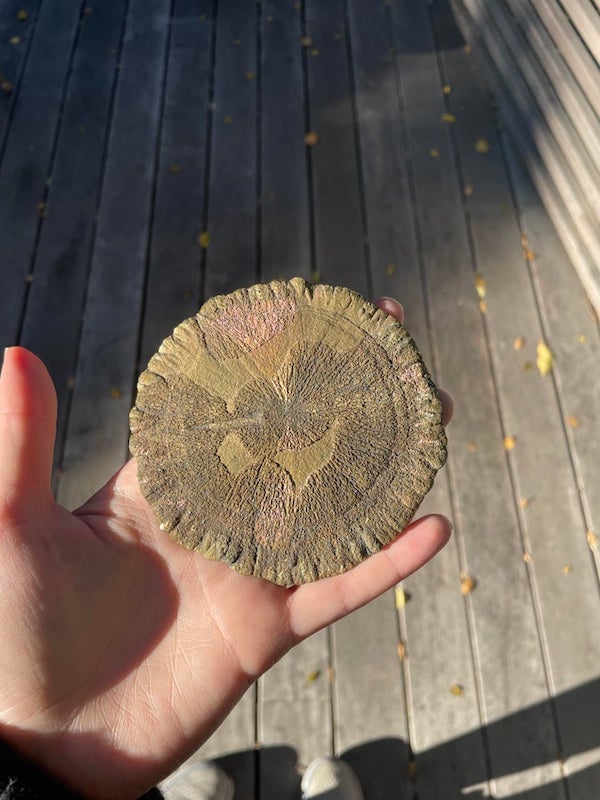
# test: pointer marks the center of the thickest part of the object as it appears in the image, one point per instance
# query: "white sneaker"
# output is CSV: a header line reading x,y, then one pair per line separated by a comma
x,y
330,779
200,780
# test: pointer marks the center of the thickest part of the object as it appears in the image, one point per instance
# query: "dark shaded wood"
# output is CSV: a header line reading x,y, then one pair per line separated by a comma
x,y
231,255
173,283
105,374
284,204
55,303
27,160
338,221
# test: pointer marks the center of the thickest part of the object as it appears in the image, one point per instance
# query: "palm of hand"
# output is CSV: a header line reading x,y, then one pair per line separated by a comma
x,y
124,651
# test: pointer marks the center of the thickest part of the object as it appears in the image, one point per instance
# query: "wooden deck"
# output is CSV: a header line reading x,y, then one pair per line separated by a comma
x,y
130,127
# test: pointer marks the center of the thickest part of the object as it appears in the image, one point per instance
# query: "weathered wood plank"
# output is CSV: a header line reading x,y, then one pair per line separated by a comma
x,y
173,283
54,310
13,57
294,709
338,221
27,157
540,440
285,204
231,256
97,433
586,20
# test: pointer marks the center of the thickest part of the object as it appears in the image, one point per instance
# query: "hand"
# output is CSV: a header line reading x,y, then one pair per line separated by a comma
x,y
122,651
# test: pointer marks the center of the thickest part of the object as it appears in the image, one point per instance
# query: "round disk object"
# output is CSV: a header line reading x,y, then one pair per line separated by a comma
x,y
290,430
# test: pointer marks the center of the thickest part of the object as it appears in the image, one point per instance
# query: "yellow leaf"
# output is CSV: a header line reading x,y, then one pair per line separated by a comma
x,y
573,422
566,569
467,48
457,690
400,597
544,358
228,119
315,276
524,502
311,138
467,583
434,153
447,89
15,40
204,239
472,447
250,75
482,146
116,393
401,650
22,15
510,442
483,307
306,41
450,118
480,285
312,676
527,558
468,190
527,366
314,52
592,540
581,338
519,343
389,270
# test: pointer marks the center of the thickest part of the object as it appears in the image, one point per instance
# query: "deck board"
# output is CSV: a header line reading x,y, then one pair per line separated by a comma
x,y
189,116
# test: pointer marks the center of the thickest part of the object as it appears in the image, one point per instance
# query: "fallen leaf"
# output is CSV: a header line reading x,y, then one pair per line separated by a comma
x,y
330,675
447,89
15,40
510,442
527,558
544,358
401,650
228,119
22,15
315,276
400,597
250,75
480,285
70,382
174,169
592,540
566,569
338,36
524,502
204,239
389,270
7,87
581,338
457,690
472,447
306,41
572,422
313,676
468,190
524,240
529,254
528,366
41,209
88,10
467,48
450,118
29,277
314,52
482,146
467,583
311,138
483,307
411,769
116,393
434,153
519,343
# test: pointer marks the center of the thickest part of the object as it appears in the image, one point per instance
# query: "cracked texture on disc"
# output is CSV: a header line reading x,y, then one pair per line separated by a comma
x,y
287,429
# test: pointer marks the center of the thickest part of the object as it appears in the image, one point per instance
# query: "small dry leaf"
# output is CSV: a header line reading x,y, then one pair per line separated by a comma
x,y
116,393
482,146
174,169
519,343
524,502
389,270
468,190
472,447
315,276
527,558
22,15
480,285
447,89
313,676
450,118
524,241
228,119
592,540
70,382
204,239
581,338
572,422
311,138
314,52
434,153
544,358
411,769
338,36
528,366
401,650
41,209
306,41
15,40
467,48
566,569
400,597
529,254
483,306
250,75
510,442
457,690
467,583
7,87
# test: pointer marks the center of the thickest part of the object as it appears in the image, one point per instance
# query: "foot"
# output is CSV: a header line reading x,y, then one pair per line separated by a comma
x,y
330,779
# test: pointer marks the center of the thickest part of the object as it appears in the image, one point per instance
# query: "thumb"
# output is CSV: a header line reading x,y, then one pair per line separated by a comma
x,y
27,432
